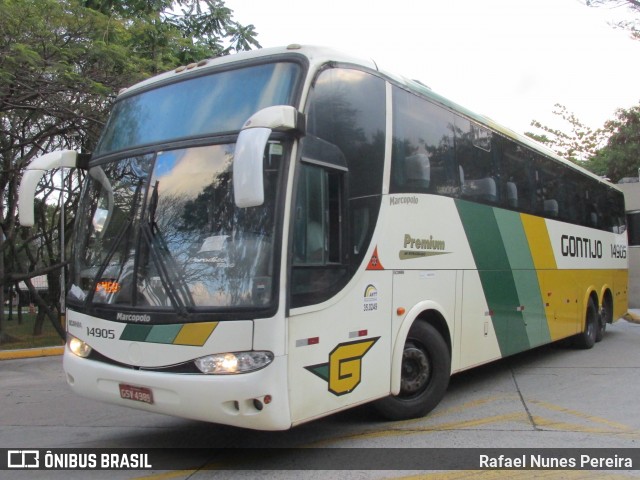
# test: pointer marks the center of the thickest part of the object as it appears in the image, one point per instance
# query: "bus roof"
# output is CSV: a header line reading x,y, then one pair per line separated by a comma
x,y
318,56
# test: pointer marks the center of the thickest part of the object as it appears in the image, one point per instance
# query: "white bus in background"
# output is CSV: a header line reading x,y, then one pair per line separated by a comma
x,y
630,186
267,238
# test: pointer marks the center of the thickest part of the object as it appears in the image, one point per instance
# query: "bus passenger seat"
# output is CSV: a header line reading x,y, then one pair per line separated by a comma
x,y
483,189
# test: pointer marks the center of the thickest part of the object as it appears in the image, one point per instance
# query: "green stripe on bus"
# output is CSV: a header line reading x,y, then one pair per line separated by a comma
x,y
498,282
525,276
135,333
163,333
166,333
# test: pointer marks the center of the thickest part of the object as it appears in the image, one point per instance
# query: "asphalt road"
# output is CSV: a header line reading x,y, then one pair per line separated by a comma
x,y
552,397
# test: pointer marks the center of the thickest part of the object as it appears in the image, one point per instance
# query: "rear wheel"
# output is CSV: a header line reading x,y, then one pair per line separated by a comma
x,y
587,338
426,367
606,316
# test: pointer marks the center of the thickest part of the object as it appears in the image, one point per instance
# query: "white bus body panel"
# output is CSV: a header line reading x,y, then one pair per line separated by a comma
x,y
339,351
439,271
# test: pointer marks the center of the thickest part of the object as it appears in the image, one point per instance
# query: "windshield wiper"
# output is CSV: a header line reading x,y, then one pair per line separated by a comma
x,y
165,264
167,273
121,234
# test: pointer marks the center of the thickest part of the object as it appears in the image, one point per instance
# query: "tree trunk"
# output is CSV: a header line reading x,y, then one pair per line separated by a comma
x,y
42,306
3,334
10,304
20,305
39,323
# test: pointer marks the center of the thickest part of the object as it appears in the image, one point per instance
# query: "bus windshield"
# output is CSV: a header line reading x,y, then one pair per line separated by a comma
x,y
158,229
162,231
198,106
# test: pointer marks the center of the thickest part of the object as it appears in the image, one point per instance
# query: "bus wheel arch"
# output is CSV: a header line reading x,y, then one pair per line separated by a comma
x,y
421,368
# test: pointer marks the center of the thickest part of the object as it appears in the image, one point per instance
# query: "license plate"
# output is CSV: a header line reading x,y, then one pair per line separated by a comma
x,y
139,394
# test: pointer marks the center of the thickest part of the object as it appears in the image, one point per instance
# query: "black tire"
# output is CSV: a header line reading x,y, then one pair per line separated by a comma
x,y
606,316
426,368
587,338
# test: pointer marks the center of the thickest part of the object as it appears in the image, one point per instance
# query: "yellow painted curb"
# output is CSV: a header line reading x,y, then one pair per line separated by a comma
x,y
31,353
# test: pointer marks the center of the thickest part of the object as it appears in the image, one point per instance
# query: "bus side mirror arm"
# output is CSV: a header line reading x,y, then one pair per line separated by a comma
x,y
32,175
248,185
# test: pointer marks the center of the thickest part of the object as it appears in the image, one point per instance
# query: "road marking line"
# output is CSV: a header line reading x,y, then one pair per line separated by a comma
x,y
576,413
520,417
473,403
411,427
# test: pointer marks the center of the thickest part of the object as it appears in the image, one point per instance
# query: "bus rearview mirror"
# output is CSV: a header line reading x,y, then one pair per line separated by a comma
x,y
31,177
248,183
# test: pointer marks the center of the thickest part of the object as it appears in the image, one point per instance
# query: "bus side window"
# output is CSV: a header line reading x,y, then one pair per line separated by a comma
x,y
317,217
552,199
422,151
309,241
319,260
479,172
339,182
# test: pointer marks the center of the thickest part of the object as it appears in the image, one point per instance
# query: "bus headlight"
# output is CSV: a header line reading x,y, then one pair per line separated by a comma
x,y
78,347
230,363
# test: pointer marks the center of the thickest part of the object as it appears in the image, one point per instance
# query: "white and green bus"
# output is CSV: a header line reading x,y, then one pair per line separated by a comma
x,y
271,237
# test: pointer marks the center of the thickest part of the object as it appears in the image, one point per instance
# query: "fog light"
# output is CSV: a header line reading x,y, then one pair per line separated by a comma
x,y
231,363
78,347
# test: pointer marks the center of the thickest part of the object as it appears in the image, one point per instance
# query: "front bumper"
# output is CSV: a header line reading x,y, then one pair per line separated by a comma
x,y
237,400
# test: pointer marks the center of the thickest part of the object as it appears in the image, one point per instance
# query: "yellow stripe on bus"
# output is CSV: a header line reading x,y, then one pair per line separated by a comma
x,y
195,334
559,289
539,242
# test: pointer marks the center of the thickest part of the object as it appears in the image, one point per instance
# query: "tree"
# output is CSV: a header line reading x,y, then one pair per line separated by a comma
x,y
580,144
54,93
61,64
632,6
166,33
621,156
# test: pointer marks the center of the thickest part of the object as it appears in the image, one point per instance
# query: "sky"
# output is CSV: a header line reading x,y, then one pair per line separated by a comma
x,y
511,60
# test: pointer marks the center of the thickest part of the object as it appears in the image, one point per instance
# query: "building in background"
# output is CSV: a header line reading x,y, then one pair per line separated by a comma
x,y
40,283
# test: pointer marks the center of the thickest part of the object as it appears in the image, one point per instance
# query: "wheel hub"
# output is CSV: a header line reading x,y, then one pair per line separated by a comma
x,y
416,370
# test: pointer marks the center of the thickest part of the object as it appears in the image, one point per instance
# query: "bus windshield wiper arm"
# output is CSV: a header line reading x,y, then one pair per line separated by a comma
x,y
121,234
175,296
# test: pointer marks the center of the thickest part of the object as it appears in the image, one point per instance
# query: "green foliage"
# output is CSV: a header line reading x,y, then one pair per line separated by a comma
x,y
62,63
621,156
56,75
579,144
166,33
612,151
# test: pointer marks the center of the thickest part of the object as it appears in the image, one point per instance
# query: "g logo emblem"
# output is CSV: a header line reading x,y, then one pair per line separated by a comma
x,y
343,372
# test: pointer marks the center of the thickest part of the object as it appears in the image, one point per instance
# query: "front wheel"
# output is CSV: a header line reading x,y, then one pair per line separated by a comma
x,y
426,367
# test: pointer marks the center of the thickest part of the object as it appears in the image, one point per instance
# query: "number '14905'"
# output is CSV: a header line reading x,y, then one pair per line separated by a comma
x,y
101,333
